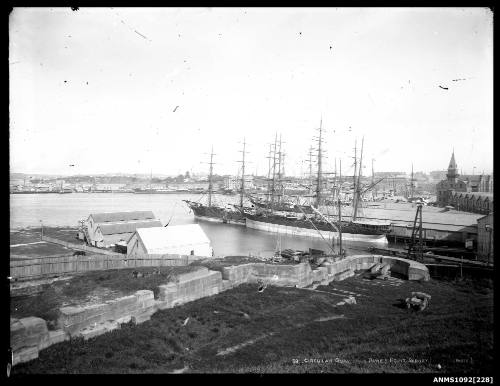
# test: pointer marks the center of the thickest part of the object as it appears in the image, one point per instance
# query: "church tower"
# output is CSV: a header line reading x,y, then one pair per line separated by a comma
x,y
452,174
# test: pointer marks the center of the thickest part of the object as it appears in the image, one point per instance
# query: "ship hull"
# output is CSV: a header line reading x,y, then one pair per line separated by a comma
x,y
220,220
214,214
307,232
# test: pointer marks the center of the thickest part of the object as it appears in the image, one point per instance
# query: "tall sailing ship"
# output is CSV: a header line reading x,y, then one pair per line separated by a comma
x,y
316,224
283,206
275,198
215,213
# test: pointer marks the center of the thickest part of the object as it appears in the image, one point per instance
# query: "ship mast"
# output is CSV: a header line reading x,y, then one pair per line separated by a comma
x,y
274,170
282,163
340,175
242,187
374,192
310,170
210,186
411,182
318,187
358,194
269,174
354,174
335,182
281,171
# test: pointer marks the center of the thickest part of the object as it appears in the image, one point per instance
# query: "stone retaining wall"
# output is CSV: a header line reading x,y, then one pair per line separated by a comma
x,y
410,269
29,335
190,286
78,321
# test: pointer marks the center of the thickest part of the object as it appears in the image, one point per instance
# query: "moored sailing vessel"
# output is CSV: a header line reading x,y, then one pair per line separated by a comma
x,y
284,206
214,213
317,225
311,227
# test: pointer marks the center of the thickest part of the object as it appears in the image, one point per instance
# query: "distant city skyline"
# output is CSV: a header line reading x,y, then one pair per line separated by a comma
x,y
141,90
205,174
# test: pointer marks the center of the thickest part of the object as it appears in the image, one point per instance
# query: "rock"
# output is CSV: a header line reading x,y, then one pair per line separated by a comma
x,y
421,295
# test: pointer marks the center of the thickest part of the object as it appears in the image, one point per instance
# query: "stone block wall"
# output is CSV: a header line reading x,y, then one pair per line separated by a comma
x,y
190,286
30,335
411,269
299,275
238,274
77,321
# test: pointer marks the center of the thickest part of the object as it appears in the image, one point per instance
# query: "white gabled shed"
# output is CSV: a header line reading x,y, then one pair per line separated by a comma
x,y
174,239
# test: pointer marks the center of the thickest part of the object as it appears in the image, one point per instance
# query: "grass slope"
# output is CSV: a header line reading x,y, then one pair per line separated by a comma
x,y
95,286
376,335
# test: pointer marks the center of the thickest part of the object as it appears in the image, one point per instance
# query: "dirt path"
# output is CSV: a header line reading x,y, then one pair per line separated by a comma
x,y
22,245
233,349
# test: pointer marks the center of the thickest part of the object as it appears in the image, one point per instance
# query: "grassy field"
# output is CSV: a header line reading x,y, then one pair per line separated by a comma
x,y
284,330
33,247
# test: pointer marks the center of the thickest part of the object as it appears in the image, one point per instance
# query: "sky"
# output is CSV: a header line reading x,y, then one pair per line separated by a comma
x,y
151,90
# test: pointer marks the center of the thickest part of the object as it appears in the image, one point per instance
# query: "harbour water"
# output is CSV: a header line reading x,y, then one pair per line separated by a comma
x,y
28,210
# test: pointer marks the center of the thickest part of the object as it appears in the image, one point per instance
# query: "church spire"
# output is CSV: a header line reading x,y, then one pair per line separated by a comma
x,y
452,168
453,164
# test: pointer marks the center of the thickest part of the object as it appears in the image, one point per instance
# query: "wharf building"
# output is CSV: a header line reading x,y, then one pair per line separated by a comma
x,y
469,193
187,239
485,238
234,183
106,229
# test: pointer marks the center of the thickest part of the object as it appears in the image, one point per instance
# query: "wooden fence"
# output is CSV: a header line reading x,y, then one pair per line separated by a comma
x,y
34,268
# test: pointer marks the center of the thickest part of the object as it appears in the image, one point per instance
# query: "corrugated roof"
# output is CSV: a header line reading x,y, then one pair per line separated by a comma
x,y
372,222
122,216
482,218
127,227
476,195
440,227
159,240
429,215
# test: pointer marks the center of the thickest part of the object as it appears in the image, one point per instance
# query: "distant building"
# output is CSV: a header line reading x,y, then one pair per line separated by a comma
x,y
438,175
389,174
177,239
230,182
197,185
467,193
472,202
106,229
393,183
234,183
479,182
485,237
446,188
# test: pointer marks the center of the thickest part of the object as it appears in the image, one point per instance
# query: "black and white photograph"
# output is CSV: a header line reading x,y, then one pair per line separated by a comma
x,y
251,190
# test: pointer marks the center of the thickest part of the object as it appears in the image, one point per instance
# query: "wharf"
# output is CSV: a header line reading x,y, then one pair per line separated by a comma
x,y
438,258
440,226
